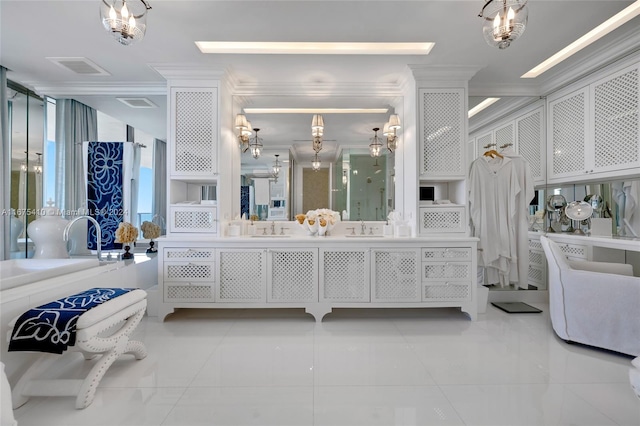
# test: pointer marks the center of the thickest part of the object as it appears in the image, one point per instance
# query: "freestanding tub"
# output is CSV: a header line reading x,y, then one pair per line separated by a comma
x,y
17,272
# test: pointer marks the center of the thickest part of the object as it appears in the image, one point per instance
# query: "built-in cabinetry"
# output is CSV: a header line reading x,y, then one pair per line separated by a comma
x,y
574,250
594,130
192,157
317,274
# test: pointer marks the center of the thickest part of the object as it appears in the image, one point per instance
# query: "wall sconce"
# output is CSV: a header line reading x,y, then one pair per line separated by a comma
x,y
503,21
24,165
317,130
38,167
315,164
390,131
255,145
127,23
344,177
375,147
244,132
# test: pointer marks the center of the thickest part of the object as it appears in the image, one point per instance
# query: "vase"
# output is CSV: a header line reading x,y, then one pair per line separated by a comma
x,y
126,254
151,248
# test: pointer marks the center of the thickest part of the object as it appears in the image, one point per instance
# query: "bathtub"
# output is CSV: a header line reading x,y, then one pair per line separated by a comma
x,y
17,272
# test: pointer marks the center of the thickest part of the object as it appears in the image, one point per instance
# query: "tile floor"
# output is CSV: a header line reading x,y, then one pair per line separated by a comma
x,y
358,367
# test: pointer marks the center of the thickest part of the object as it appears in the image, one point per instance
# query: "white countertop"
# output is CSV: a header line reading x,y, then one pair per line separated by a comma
x,y
630,244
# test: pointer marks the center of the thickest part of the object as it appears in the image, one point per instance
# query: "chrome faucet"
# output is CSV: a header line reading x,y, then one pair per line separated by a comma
x,y
362,227
273,227
65,234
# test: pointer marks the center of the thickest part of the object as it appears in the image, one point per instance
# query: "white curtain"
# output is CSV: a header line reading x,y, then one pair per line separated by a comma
x,y
5,176
159,200
135,184
75,123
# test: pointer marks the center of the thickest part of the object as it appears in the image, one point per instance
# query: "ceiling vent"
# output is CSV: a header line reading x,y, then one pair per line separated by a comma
x,y
82,66
137,102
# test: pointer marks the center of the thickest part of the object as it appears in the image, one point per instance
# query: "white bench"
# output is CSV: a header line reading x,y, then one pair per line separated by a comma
x,y
102,330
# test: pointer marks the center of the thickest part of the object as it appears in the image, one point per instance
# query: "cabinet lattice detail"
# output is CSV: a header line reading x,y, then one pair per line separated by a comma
x,y
446,270
504,135
345,277
536,257
530,142
189,292
184,219
292,275
484,141
446,253
574,251
441,219
396,275
616,121
190,254
441,133
189,271
536,274
446,291
195,132
241,276
568,121
535,245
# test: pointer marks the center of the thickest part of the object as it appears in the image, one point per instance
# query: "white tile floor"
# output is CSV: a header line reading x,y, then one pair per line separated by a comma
x,y
358,367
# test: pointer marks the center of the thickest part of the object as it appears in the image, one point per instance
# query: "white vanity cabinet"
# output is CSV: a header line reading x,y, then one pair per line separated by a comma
x,y
292,275
594,130
188,275
345,274
447,274
537,274
395,275
242,275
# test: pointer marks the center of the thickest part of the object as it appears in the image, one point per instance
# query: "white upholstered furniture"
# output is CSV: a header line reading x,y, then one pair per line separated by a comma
x,y
634,376
103,330
594,303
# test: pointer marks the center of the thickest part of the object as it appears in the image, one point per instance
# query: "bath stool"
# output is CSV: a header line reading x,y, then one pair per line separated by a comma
x,y
102,330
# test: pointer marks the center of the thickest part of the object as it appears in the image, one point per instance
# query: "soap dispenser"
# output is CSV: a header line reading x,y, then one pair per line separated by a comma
x,y
46,234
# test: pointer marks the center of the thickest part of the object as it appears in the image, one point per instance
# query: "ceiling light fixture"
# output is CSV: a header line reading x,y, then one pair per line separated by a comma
x,y
598,32
482,105
390,131
375,147
24,166
38,167
316,110
244,132
276,167
255,145
317,130
126,22
308,48
315,164
503,21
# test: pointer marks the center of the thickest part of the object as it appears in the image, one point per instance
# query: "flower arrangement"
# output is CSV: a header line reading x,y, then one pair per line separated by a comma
x,y
318,221
150,230
126,233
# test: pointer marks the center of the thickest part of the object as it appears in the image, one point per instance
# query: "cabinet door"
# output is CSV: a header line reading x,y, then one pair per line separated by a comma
x,y
616,99
344,275
194,129
568,131
530,142
505,136
292,275
242,275
484,142
395,275
442,133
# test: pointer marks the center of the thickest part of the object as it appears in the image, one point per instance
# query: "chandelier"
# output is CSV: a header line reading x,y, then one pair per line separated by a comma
x,y
244,132
375,147
125,21
38,167
317,130
503,21
390,131
255,145
276,166
315,164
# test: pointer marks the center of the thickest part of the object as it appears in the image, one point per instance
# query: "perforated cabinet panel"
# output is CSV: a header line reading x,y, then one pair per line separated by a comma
x,y
441,132
442,219
616,121
345,275
568,126
242,276
504,135
446,291
529,134
195,132
395,275
293,275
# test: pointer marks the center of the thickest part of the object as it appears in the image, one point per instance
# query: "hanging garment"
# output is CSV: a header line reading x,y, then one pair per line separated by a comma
x,y
109,176
493,186
519,272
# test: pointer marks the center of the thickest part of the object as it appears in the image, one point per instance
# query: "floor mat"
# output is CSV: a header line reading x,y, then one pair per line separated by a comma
x,y
516,307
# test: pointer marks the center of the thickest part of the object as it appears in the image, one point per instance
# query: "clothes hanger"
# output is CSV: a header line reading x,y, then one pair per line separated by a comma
x,y
492,152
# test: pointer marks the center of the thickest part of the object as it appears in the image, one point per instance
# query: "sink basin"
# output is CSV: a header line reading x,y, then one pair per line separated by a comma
x,y
270,236
363,236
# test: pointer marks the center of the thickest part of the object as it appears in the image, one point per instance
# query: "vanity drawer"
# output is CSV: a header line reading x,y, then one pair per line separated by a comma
x,y
188,292
536,258
446,253
437,219
446,271
574,251
188,271
192,219
199,254
446,290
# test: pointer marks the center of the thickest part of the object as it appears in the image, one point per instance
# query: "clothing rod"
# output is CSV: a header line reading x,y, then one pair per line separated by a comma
x,y
141,145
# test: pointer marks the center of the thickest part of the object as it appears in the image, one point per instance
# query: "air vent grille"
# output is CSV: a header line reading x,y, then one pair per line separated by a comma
x,y
137,102
79,65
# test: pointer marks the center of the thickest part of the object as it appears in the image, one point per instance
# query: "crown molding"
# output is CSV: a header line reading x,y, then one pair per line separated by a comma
x,y
444,72
505,110
187,71
81,89
493,90
357,89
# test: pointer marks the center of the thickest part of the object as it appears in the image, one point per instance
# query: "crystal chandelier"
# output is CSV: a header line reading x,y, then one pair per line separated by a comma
x,y
375,147
503,21
390,131
315,164
255,145
317,130
125,21
276,166
38,167
244,132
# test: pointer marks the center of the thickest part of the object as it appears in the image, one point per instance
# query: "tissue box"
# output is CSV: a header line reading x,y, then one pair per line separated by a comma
x,y
234,230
